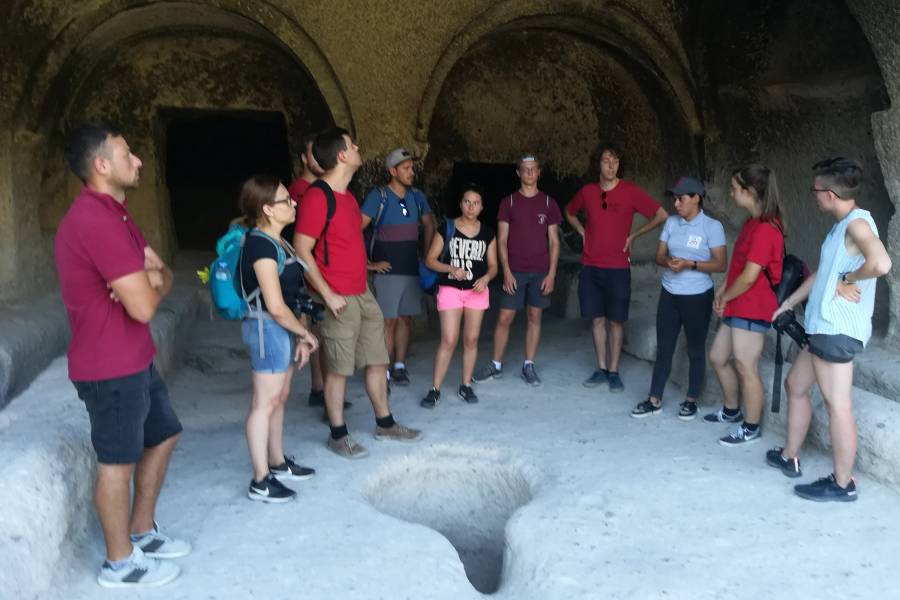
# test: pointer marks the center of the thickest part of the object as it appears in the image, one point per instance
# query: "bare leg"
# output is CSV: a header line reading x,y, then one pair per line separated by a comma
x,y
501,332
800,380
267,390
149,475
334,397
376,387
111,498
598,329
532,333
390,328
471,330
836,384
276,423
316,363
616,339
401,338
720,359
747,348
450,320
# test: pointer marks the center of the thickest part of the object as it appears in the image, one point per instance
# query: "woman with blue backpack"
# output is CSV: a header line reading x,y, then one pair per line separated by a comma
x,y
463,253
271,283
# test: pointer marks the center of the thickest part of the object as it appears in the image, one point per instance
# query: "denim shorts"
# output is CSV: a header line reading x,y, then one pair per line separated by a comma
x,y
277,345
127,415
528,292
754,325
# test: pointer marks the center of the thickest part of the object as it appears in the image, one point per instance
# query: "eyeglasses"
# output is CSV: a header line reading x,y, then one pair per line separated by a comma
x,y
815,189
283,201
603,197
403,208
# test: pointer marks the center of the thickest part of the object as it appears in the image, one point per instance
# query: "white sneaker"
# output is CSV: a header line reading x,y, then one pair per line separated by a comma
x,y
159,545
139,572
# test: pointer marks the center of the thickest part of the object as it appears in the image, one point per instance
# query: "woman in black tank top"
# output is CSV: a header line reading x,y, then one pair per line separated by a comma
x,y
464,254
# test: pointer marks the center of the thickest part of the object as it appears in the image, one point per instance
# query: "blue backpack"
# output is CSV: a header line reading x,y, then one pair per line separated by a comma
x,y
225,284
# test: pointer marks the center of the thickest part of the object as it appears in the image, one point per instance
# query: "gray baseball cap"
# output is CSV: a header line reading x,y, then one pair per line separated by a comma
x,y
397,156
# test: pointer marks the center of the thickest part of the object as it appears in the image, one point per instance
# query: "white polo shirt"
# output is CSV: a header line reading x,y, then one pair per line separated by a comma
x,y
690,240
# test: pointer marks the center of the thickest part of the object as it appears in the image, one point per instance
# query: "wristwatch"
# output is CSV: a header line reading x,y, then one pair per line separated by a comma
x,y
845,280
694,266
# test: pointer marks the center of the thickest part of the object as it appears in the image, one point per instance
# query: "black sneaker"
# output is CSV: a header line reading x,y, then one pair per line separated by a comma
x,y
270,490
646,409
291,471
598,377
789,466
465,392
530,375
687,411
741,436
400,377
720,417
827,490
431,399
489,371
317,398
615,382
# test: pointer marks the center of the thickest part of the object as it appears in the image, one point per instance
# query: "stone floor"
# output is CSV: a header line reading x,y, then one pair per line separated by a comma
x,y
601,505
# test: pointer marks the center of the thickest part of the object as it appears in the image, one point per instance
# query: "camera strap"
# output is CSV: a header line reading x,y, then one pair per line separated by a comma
x,y
776,384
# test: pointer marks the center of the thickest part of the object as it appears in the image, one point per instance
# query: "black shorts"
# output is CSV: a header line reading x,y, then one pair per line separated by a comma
x,y
604,293
127,415
835,348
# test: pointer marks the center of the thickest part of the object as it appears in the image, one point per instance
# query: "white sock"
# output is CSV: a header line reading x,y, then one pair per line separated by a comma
x,y
387,373
399,365
527,362
497,365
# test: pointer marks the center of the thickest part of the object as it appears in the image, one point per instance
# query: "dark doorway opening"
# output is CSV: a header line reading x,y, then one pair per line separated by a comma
x,y
208,156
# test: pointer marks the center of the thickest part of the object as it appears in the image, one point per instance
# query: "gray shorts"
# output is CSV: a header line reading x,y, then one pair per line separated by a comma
x,y
835,348
528,291
398,295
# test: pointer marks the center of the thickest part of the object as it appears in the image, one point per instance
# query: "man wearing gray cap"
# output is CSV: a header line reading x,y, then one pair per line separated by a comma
x,y
396,211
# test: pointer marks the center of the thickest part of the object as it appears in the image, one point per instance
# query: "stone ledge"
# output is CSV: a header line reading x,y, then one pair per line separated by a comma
x,y
46,460
877,417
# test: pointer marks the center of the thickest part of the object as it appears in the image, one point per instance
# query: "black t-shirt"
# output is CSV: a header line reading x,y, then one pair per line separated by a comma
x,y
469,253
257,248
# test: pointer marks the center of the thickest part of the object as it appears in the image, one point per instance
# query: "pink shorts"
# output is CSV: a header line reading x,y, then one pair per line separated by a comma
x,y
449,297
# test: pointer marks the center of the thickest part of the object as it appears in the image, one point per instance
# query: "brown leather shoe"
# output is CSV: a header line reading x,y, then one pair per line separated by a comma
x,y
346,447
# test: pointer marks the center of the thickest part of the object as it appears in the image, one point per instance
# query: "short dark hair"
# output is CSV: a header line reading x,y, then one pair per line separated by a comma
x,y
327,145
610,147
84,143
256,192
843,176
472,187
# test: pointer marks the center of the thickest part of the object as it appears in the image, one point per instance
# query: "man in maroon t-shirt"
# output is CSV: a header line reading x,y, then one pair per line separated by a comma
x,y
604,284
353,328
112,283
528,245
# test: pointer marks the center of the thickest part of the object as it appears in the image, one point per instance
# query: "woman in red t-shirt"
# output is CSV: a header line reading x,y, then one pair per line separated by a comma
x,y
746,303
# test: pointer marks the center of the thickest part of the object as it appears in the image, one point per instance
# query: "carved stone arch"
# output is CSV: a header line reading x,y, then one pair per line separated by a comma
x,y
614,27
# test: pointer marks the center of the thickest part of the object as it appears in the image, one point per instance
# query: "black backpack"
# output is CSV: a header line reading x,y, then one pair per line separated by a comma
x,y
332,206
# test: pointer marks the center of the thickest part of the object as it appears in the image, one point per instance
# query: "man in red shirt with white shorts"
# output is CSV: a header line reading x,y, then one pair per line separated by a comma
x,y
604,284
112,282
353,328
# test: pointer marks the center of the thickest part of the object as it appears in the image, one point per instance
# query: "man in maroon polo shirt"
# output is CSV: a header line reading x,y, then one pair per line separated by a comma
x,y
604,284
112,282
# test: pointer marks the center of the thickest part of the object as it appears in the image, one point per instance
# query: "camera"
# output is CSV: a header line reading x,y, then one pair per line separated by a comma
x,y
315,310
787,323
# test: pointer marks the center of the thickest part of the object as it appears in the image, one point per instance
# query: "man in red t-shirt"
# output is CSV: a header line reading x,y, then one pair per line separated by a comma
x,y
528,246
311,172
111,283
353,328
604,284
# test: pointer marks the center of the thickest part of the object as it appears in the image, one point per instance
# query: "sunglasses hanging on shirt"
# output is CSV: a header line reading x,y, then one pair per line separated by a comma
x,y
603,197
403,208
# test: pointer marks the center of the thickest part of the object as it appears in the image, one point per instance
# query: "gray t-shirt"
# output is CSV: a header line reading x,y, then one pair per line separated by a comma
x,y
690,240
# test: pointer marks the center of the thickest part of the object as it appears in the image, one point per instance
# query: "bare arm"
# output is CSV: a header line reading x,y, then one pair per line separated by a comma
x,y
662,254
427,229
266,270
574,222
877,263
335,302
482,282
137,295
797,297
549,281
659,218
160,275
743,283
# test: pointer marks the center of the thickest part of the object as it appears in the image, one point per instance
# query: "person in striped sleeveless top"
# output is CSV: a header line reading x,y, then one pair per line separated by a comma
x,y
838,320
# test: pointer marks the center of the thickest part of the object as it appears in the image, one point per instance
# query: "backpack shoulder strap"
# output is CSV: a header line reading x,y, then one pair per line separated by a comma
x,y
279,248
329,213
418,196
548,200
448,234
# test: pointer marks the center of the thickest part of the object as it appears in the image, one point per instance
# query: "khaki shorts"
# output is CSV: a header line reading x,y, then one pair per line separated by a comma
x,y
356,338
